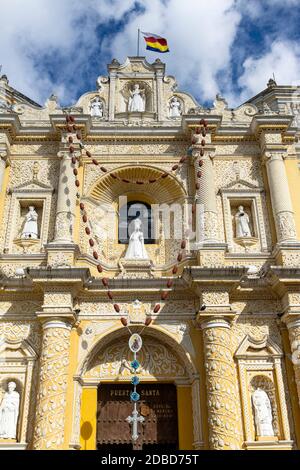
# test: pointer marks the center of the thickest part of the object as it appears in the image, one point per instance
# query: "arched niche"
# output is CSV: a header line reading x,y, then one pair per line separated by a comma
x,y
260,365
162,359
17,361
145,184
146,91
107,189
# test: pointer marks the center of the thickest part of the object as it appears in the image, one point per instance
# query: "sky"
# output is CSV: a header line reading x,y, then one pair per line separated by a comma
x,y
231,47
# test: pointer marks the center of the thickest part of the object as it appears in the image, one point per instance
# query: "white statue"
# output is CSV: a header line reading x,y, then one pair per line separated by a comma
x,y
262,413
137,99
136,248
96,107
175,107
9,412
242,224
30,229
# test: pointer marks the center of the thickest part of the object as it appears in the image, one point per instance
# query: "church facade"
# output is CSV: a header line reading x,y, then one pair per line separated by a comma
x,y
136,211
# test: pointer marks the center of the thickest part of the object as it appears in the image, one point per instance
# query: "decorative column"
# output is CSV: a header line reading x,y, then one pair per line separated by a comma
x,y
112,68
221,384
293,325
52,392
197,415
207,226
160,70
210,250
66,198
280,196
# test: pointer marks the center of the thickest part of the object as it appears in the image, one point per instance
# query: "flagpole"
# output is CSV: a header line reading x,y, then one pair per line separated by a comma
x,y
138,43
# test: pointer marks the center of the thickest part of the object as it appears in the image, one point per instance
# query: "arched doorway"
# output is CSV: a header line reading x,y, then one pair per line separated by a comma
x,y
169,388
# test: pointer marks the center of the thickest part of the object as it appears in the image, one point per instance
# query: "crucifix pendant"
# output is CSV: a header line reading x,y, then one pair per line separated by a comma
x,y
134,419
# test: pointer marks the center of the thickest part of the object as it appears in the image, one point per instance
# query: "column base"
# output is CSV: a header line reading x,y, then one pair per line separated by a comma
x,y
211,254
269,445
287,254
133,268
12,445
61,255
74,446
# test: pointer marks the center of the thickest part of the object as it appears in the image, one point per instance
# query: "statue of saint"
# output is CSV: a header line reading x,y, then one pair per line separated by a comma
x,y
137,99
30,229
136,248
242,224
96,107
262,413
9,412
175,107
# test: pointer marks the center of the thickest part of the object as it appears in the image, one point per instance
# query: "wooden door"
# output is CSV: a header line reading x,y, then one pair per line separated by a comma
x,y
158,405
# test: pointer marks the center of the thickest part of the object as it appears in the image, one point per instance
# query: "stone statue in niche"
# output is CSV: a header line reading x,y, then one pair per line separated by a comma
x,y
175,107
96,107
136,248
262,414
9,412
137,99
30,229
242,224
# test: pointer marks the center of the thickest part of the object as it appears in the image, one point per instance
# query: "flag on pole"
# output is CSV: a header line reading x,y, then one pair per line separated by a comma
x,y
155,43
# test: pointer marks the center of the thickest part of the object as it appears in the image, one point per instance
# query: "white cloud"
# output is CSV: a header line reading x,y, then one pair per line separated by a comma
x,y
200,35
34,29
282,59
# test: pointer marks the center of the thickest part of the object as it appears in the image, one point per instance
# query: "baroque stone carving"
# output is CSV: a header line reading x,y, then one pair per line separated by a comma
x,y
18,331
51,396
221,389
156,359
286,226
294,334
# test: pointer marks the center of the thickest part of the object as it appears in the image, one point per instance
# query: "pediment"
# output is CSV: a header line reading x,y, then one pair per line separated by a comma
x,y
251,347
32,186
132,65
16,349
240,185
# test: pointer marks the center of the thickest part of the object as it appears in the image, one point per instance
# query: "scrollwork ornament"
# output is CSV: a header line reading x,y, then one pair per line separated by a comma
x,y
221,389
51,396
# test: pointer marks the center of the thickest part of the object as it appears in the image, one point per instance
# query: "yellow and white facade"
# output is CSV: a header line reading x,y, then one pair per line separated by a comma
x,y
231,323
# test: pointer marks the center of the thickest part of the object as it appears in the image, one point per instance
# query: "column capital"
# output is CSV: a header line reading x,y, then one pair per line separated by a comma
x,y
291,320
215,320
64,153
56,322
65,321
4,148
274,155
214,323
208,154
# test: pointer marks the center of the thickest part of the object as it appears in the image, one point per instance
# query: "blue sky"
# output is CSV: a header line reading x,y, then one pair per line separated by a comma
x,y
228,46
